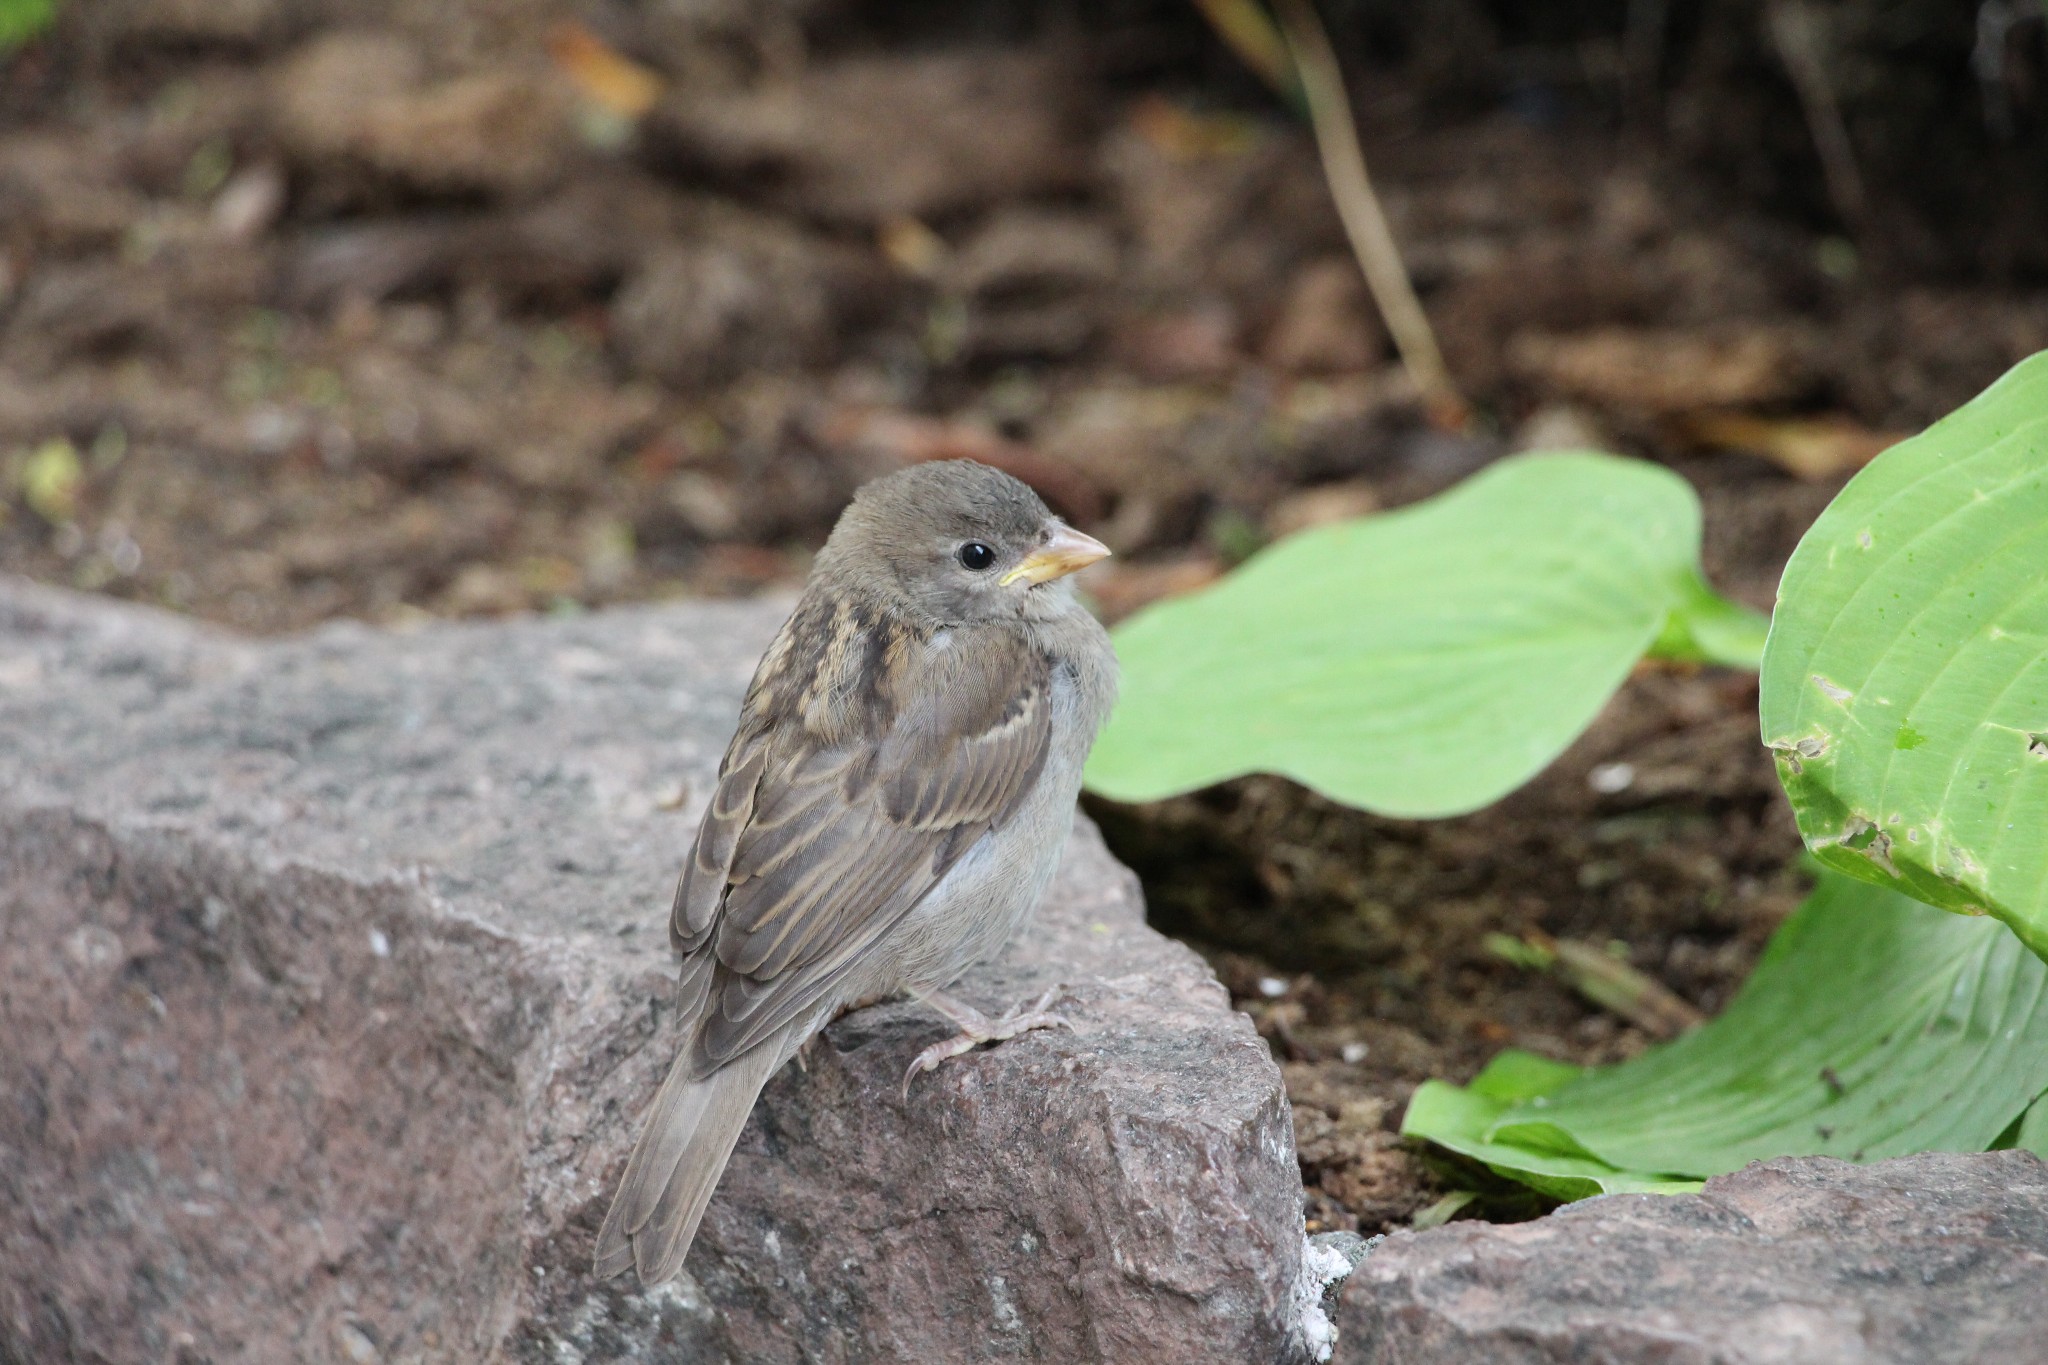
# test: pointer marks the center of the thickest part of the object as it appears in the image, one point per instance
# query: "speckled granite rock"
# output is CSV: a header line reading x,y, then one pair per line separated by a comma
x,y
333,978
1938,1259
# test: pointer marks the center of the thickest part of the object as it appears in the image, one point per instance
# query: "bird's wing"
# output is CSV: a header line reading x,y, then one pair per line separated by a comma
x,y
869,759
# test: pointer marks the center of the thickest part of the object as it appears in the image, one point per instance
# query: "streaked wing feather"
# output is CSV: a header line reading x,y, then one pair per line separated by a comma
x,y
694,983
845,838
980,771
701,889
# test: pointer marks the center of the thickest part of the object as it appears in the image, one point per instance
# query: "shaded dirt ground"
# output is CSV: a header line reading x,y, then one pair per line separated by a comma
x,y
364,309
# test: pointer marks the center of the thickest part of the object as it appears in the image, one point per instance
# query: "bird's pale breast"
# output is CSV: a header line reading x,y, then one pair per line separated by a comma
x,y
989,894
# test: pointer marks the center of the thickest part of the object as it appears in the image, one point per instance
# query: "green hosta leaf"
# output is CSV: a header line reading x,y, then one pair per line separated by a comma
x,y
2032,1131
1425,662
1459,1119
1873,1027
1705,627
1905,685
1443,1210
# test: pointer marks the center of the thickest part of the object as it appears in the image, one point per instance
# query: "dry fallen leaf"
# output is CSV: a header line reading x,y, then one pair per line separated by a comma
x,y
1666,371
1184,135
616,84
1810,448
912,247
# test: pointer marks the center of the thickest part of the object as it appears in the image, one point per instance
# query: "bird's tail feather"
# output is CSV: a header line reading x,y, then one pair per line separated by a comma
x,y
675,1166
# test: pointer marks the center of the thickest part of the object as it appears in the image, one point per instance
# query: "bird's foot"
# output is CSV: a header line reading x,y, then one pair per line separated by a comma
x,y
977,1028
804,1051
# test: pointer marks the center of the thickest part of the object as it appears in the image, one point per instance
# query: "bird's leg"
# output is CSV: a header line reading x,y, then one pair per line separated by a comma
x,y
977,1028
802,1055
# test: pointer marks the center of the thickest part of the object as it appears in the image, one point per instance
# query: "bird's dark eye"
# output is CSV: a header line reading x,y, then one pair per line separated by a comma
x,y
976,556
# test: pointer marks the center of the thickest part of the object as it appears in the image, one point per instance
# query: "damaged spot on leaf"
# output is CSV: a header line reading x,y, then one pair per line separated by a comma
x,y
1862,835
1833,691
2037,745
1967,868
1793,752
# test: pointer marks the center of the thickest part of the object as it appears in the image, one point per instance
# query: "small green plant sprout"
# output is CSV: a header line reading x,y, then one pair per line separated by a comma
x,y
21,20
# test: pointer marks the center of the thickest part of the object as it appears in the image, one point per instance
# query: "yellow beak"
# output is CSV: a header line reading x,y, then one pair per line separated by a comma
x,y
1065,551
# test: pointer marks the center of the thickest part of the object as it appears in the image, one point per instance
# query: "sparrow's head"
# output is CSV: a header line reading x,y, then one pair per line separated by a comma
x,y
958,543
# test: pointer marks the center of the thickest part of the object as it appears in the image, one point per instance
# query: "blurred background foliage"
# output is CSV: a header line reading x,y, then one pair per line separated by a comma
x,y
319,308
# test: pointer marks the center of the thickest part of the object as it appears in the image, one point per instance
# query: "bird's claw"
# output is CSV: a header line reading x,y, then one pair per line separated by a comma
x,y
977,1029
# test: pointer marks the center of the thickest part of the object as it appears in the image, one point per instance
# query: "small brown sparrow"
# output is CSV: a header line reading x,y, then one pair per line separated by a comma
x,y
889,812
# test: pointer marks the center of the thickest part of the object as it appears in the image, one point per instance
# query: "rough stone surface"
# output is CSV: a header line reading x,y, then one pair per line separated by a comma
x,y
333,982
1919,1260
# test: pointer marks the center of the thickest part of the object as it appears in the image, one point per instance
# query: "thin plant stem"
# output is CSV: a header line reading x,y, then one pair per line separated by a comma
x,y
1244,26
1365,222
1796,32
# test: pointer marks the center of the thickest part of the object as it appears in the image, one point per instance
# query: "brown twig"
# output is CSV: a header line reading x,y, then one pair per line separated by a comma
x,y
1642,53
1365,222
1613,985
1795,29
1603,979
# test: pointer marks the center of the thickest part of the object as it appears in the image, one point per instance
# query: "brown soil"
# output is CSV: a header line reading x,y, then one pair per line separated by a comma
x,y
309,313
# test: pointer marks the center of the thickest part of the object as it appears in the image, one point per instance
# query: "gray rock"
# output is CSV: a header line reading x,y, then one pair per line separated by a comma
x,y
1919,1260
333,977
